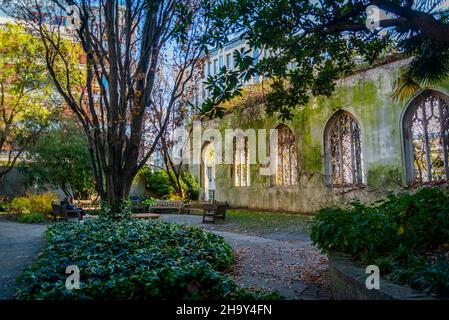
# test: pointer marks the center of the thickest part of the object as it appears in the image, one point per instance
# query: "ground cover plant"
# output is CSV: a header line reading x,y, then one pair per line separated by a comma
x,y
132,259
406,235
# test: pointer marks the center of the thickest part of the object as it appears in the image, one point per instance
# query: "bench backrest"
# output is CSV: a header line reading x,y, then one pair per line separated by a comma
x,y
168,203
84,202
199,204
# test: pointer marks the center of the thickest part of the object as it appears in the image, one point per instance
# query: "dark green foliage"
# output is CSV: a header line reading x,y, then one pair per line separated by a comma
x,y
406,235
325,40
60,157
433,278
35,217
191,185
4,203
431,64
132,259
159,184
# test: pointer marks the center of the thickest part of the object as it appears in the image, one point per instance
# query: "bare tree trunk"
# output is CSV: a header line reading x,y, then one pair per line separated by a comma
x,y
123,42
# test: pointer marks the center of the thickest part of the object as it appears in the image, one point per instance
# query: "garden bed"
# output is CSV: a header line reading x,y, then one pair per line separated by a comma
x,y
347,282
132,259
405,235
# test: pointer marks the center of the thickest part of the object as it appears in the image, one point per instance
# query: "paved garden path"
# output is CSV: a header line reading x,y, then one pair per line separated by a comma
x,y
19,245
296,269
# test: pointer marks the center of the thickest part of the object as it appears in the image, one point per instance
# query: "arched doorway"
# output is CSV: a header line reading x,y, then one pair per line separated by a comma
x,y
208,172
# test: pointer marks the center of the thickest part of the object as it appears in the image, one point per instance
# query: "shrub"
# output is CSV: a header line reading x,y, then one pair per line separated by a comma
x,y
398,233
132,259
20,205
4,204
192,185
35,217
158,183
356,230
42,202
33,206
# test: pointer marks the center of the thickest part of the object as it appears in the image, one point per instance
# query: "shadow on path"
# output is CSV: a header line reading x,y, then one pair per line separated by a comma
x,y
297,270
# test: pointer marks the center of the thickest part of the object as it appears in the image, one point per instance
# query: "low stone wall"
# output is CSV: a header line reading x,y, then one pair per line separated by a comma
x,y
347,281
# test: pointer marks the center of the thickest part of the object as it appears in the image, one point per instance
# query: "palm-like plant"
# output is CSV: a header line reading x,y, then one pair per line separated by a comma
x,y
430,63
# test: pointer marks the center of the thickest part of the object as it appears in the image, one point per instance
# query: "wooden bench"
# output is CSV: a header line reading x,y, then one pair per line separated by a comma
x,y
214,210
133,215
86,204
168,204
60,212
145,215
195,206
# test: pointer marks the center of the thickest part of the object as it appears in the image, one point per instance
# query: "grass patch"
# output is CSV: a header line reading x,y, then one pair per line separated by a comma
x,y
263,223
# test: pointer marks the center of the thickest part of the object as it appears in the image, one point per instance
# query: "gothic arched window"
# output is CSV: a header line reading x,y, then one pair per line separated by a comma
x,y
343,154
287,164
426,126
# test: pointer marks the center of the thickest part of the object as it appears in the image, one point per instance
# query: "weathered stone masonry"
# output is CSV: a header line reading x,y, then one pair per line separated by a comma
x,y
367,97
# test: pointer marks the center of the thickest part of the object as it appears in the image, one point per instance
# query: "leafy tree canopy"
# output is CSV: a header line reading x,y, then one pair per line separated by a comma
x,y
26,100
313,43
124,45
60,157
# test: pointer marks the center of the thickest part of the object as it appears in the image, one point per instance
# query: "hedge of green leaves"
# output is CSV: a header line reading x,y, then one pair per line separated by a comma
x,y
32,208
158,183
132,259
406,235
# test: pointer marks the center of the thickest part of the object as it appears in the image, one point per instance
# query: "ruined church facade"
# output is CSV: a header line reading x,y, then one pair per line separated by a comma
x,y
360,143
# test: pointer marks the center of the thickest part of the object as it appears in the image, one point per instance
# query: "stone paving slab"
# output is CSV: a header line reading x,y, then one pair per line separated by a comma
x,y
271,264
19,246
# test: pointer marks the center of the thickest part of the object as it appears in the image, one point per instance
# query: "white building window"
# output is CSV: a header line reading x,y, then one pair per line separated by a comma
x,y
228,61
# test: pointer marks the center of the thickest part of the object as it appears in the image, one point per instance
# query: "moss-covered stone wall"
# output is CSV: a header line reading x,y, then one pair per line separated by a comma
x,y
368,97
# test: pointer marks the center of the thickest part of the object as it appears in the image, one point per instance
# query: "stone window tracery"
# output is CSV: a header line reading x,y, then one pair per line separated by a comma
x,y
344,151
426,131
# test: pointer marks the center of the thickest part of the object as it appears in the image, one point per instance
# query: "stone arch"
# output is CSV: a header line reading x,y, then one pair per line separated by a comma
x,y
207,171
